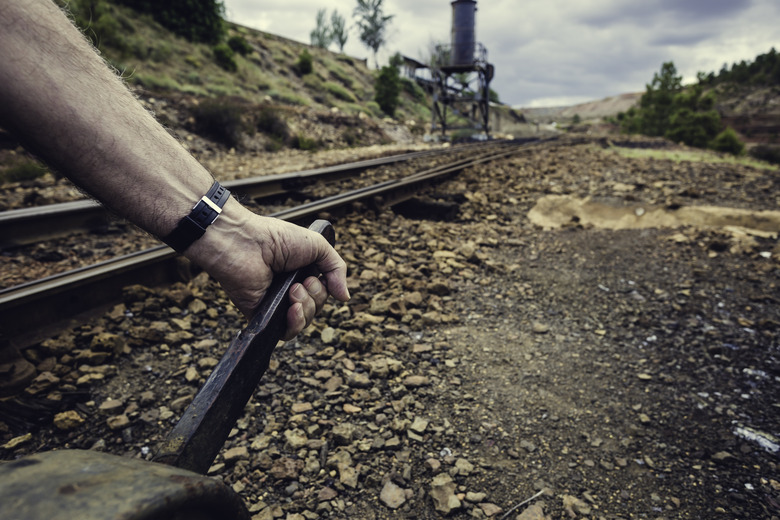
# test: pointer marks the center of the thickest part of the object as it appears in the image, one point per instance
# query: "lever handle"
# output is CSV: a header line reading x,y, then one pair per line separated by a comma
x,y
199,435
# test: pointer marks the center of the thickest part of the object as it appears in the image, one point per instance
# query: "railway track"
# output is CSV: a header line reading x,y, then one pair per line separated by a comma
x,y
21,227
37,309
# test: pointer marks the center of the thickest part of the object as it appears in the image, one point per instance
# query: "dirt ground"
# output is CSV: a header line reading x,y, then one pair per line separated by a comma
x,y
488,365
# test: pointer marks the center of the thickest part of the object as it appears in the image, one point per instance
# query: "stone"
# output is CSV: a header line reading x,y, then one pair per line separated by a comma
x,y
327,493
540,328
433,465
191,374
118,422
392,495
302,407
107,342
296,439
419,425
359,380
68,420
464,467
348,475
286,468
534,512
343,433
351,408
443,494
574,506
329,335
475,498
18,441
416,381
490,509
235,454
111,406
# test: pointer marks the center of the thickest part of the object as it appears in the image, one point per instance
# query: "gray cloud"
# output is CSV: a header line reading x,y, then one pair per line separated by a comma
x,y
558,50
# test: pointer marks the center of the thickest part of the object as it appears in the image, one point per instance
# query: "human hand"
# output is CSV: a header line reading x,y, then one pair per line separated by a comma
x,y
244,251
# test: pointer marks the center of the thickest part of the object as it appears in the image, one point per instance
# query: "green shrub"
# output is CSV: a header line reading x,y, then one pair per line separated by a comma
x,y
270,123
225,57
162,52
301,142
304,65
387,89
222,120
239,45
728,142
766,152
195,20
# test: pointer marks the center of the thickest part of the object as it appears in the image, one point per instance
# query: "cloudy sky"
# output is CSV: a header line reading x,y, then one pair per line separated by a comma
x,y
556,52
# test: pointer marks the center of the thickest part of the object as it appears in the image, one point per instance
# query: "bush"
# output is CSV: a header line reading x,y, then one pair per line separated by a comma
x,y
195,20
224,56
304,65
387,89
301,142
239,45
270,123
728,142
222,120
766,152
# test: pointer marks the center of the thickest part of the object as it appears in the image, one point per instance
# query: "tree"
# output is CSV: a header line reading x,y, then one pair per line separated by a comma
x,y
388,86
372,24
320,35
196,20
338,30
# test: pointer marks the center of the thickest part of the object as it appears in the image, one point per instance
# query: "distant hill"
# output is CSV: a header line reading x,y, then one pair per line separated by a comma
x,y
591,110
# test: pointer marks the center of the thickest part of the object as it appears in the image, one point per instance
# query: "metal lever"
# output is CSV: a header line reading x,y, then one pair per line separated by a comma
x,y
199,435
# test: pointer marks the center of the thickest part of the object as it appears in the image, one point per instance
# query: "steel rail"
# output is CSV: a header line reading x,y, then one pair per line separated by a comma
x,y
20,227
34,310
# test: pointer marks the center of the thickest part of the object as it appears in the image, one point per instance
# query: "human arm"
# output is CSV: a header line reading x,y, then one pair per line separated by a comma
x,y
64,104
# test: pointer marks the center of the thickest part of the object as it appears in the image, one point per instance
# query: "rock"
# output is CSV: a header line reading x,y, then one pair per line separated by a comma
x,y
490,509
327,493
180,403
438,288
359,380
351,408
464,467
17,441
534,512
286,468
191,374
416,381
348,475
111,406
296,439
107,342
433,465
392,495
235,454
302,407
443,494
68,420
329,335
574,506
118,422
343,433
475,498
540,328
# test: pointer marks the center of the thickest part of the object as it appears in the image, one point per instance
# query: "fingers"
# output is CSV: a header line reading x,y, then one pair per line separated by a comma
x,y
306,300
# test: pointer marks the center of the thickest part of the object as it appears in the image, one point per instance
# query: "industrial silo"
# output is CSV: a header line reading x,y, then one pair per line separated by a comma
x,y
463,39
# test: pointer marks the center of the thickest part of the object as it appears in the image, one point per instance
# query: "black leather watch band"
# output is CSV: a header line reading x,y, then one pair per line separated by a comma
x,y
203,214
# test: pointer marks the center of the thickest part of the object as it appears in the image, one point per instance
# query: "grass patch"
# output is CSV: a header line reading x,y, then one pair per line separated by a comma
x,y
339,92
691,156
23,170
